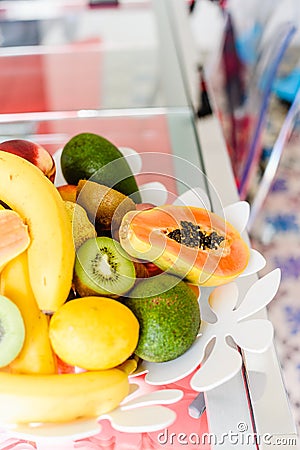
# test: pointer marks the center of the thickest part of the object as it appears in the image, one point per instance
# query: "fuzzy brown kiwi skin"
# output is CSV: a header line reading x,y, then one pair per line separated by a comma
x,y
104,205
83,290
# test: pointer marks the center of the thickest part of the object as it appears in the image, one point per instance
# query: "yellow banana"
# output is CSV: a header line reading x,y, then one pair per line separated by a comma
x,y
60,398
36,355
130,365
51,252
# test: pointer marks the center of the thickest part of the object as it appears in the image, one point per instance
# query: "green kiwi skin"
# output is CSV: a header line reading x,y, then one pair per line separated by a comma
x,y
84,281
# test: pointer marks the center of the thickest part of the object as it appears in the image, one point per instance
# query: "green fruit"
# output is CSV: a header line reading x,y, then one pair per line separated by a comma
x,y
169,316
12,331
82,228
88,156
101,268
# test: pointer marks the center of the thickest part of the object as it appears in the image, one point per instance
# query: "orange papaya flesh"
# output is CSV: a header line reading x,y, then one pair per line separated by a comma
x,y
193,243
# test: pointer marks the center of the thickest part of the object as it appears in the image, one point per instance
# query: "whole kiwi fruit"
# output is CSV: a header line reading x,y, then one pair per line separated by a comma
x,y
105,206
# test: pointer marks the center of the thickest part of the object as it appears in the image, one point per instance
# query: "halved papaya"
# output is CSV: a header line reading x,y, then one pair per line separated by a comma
x,y
193,243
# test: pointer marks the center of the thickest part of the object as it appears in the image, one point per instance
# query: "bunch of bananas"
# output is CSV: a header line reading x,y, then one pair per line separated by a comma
x,y
38,281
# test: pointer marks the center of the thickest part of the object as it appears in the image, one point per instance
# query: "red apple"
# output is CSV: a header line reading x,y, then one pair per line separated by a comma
x,y
140,270
32,152
152,269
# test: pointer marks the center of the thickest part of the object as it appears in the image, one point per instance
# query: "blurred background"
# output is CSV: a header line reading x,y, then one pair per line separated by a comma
x,y
250,54
107,67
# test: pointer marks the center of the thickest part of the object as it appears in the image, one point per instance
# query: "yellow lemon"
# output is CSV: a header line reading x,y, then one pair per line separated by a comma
x,y
94,333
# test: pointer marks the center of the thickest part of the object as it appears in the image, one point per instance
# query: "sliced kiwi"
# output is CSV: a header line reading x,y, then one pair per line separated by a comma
x,y
12,331
102,268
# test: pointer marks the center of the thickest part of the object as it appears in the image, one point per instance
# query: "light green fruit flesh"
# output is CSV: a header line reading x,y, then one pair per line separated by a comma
x,y
102,267
12,331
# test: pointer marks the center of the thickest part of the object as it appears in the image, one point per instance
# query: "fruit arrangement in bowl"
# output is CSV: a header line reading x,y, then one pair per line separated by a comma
x,y
93,279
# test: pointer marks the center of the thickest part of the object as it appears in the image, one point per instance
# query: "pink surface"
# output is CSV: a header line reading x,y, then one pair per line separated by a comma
x,y
146,134
66,79
72,76
22,87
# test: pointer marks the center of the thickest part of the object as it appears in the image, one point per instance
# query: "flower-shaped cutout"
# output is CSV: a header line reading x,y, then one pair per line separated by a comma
x,y
145,413
223,360
138,413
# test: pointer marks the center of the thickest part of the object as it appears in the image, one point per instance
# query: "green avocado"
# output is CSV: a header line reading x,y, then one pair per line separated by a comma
x,y
88,156
169,316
